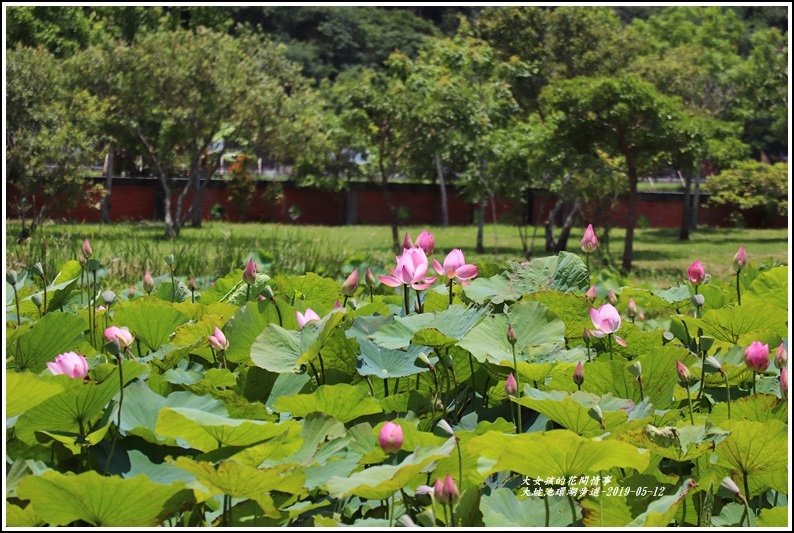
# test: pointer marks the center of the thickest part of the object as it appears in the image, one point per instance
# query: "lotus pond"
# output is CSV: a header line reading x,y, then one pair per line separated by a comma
x,y
429,396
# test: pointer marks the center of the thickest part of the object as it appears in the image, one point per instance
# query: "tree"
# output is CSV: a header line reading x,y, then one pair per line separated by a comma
x,y
51,134
624,117
61,30
752,186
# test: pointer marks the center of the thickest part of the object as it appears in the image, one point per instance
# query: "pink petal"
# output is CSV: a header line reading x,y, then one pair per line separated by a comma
x,y
595,317
466,272
55,368
454,260
597,333
391,281
606,326
437,267
621,341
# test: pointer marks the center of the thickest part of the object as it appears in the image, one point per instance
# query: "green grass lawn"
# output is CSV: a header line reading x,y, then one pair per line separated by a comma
x,y
127,249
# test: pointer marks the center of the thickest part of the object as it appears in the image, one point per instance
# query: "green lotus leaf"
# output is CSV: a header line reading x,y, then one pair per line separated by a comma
x,y
82,402
151,321
380,482
774,517
195,428
319,293
503,508
384,363
769,288
25,390
441,328
60,499
553,453
249,322
572,411
233,290
660,511
728,324
342,401
678,443
536,330
54,334
756,408
757,449
17,516
571,308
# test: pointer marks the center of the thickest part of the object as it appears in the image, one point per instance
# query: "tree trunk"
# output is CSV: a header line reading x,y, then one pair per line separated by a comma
x,y
443,187
170,230
108,185
565,231
493,222
384,179
195,211
631,215
683,233
693,222
480,225
549,225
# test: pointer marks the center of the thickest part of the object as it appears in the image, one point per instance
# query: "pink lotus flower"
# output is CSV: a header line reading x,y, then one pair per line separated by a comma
x,y
696,273
407,242
410,270
351,284
305,318
120,335
591,294
249,274
781,357
390,438
218,340
446,492
426,242
511,386
784,383
756,356
455,267
606,320
740,259
87,252
684,375
589,242
69,364
578,373
148,282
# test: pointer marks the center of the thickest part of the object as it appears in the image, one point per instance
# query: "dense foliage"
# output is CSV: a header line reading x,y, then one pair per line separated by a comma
x,y
456,399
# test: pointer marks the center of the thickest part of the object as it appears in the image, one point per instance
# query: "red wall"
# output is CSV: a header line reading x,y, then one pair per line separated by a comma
x,y
140,199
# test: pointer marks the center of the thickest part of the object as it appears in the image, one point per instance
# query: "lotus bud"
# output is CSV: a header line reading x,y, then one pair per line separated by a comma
x,y
406,521
38,269
268,293
426,242
390,438
121,335
591,294
351,284
784,383
632,308
740,259
11,277
597,414
108,297
641,316
249,274
131,292
407,242
731,486
438,491
756,357
587,336
337,305
86,249
667,336
191,284
712,365
444,426
578,374
218,340
684,375
511,386
148,282
781,357
612,298
696,273
698,300
36,299
589,242
370,278
304,318
446,492
511,335
169,260
424,495
635,369
69,364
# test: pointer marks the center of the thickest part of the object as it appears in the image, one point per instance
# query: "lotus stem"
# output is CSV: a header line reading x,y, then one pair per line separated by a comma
x,y
642,393
689,399
746,496
405,299
519,429
460,462
419,301
727,392
16,302
344,302
738,289
546,505
755,374
450,292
